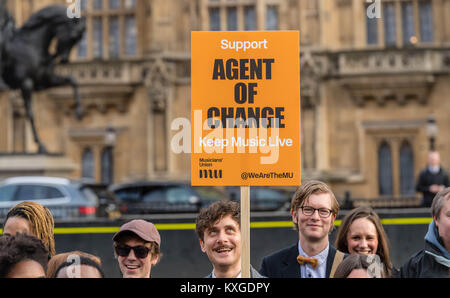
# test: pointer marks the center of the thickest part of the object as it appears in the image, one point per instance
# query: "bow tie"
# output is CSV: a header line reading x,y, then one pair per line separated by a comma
x,y
302,260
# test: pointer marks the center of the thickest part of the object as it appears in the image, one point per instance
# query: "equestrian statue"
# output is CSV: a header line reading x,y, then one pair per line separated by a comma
x,y
26,63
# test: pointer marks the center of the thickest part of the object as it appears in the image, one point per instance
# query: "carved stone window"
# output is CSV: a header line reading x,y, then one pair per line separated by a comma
x,y
396,167
408,22
107,165
385,169
426,21
111,29
391,160
389,24
371,31
402,22
234,15
406,168
87,164
272,16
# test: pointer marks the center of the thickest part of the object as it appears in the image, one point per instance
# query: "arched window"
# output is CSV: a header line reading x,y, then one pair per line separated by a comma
x,y
107,165
87,164
406,169
385,169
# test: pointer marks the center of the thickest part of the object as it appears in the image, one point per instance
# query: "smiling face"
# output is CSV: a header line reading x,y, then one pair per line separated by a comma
x,y
362,237
314,228
132,266
222,244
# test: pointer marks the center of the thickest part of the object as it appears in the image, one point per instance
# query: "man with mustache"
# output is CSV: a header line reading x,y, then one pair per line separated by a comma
x,y
313,209
219,233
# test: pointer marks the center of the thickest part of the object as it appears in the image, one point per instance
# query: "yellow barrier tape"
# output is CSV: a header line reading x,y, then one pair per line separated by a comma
x,y
406,221
271,224
86,230
257,224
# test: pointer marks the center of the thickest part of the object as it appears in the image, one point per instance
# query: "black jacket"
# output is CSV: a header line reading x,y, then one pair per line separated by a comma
x,y
283,263
433,261
423,264
426,179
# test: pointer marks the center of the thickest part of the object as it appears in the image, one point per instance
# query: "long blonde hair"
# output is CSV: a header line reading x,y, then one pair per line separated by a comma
x,y
40,219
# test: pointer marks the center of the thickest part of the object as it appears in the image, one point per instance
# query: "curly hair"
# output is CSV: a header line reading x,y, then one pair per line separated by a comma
x,y
14,249
215,212
40,219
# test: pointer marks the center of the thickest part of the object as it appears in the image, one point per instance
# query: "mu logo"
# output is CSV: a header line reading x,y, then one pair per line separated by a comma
x,y
215,174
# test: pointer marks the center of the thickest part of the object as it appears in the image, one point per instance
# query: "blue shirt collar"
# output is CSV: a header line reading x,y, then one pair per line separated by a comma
x,y
322,256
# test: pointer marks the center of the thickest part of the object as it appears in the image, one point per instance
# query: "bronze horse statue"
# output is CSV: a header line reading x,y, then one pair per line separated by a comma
x,y
26,61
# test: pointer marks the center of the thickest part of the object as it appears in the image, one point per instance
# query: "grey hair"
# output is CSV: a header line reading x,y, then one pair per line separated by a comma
x,y
438,201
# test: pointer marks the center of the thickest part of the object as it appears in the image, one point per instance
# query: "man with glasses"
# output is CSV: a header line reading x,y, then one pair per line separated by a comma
x,y
313,209
137,248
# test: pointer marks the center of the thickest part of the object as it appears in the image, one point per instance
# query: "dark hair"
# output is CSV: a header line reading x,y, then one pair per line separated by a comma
x,y
15,249
352,262
215,212
82,261
372,216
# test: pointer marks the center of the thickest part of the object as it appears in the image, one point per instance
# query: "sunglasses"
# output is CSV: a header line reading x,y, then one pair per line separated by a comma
x,y
140,251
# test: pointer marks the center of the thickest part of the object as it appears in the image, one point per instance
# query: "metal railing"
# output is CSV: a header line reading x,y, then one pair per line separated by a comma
x,y
381,202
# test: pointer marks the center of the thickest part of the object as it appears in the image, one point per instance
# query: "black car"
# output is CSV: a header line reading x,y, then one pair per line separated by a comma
x,y
109,203
157,197
262,198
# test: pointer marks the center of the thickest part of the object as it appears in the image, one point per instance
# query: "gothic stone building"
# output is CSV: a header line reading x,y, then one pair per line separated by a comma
x,y
369,82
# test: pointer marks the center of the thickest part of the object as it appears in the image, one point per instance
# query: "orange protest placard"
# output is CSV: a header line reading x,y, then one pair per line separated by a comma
x,y
245,108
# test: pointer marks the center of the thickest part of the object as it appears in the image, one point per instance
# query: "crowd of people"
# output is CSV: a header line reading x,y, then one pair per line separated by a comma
x,y
361,249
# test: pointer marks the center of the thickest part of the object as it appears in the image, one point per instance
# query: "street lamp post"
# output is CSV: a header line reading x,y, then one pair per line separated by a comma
x,y
108,156
110,136
432,131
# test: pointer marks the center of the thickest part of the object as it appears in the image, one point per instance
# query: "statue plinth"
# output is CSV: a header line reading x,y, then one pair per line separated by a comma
x,y
24,164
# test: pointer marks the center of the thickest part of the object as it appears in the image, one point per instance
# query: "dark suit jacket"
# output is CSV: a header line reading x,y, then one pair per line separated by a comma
x,y
426,179
283,263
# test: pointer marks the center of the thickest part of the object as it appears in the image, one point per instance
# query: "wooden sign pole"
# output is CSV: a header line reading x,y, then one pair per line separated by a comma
x,y
245,231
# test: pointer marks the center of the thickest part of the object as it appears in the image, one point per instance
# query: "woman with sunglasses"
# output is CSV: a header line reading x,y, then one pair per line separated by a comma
x,y
137,248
